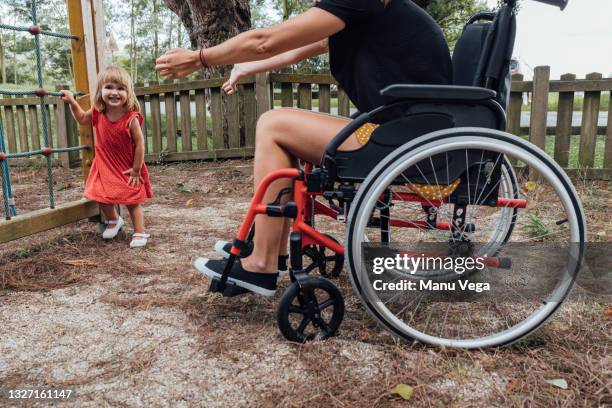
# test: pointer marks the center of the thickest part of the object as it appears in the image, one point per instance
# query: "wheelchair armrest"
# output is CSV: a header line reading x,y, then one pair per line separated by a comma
x,y
438,92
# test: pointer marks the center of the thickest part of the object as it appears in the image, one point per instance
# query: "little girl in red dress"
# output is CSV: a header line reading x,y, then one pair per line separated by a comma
x,y
118,174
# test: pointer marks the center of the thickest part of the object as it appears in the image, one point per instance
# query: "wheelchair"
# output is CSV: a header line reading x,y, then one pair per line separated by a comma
x,y
438,168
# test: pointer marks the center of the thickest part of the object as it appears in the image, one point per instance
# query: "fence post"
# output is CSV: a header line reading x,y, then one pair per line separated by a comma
x,y
66,132
262,93
588,129
563,131
539,106
143,112
344,107
607,164
170,105
305,96
514,109
9,127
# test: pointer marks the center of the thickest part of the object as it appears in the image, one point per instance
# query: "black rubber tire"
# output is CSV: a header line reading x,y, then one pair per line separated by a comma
x,y
437,138
286,307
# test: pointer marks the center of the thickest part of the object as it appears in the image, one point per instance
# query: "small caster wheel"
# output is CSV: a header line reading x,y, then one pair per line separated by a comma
x,y
328,263
313,312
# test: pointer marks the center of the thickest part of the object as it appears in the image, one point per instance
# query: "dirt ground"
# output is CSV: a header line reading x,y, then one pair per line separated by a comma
x,y
137,328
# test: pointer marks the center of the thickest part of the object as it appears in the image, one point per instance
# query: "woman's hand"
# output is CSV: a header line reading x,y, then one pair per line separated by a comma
x,y
135,179
230,86
178,63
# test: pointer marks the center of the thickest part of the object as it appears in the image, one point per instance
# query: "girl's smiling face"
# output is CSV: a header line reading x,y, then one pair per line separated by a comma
x,y
114,95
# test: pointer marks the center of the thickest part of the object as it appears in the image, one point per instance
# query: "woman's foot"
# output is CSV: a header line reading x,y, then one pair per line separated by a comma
x,y
112,228
223,248
139,240
260,283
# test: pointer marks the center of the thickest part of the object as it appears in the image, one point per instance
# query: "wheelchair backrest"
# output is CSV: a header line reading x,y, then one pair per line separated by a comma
x,y
483,53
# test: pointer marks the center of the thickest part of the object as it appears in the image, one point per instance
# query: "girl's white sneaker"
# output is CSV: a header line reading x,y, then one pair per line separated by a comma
x,y
139,240
112,228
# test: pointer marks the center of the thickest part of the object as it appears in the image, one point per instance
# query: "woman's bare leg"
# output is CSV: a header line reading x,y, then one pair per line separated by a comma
x,y
282,135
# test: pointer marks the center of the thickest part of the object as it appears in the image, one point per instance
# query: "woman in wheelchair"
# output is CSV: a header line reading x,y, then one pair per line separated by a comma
x,y
426,163
372,44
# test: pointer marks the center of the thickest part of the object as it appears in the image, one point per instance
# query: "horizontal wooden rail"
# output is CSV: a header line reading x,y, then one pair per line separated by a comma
x,y
46,219
186,86
28,101
303,79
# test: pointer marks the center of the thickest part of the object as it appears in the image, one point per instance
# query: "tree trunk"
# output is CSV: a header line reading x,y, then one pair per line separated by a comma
x,y
210,22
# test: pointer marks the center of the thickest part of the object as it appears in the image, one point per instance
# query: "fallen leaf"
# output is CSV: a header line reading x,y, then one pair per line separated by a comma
x,y
403,390
513,384
530,185
189,202
558,382
608,312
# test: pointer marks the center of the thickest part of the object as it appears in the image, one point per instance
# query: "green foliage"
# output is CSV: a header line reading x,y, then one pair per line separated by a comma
x,y
19,53
536,227
451,15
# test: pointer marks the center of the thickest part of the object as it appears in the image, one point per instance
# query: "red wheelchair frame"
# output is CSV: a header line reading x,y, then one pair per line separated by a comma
x,y
306,207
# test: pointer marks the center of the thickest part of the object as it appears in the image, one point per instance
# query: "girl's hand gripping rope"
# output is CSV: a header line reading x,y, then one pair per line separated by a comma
x,y
67,97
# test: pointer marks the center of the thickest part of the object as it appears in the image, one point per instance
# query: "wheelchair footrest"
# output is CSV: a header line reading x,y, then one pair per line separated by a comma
x,y
230,289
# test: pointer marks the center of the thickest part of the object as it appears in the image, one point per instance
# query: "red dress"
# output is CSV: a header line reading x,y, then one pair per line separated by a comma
x,y
114,150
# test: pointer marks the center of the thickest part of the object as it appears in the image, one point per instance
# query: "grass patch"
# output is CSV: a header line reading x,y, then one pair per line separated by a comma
x,y
536,227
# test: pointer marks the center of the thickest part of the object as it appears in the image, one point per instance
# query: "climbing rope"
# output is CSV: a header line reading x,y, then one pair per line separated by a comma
x,y
46,151
7,195
35,29
38,92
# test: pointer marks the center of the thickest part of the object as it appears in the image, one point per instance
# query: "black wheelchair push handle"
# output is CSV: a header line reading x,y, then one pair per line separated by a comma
x,y
559,3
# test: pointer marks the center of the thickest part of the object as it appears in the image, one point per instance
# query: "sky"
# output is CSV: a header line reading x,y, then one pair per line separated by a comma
x,y
577,40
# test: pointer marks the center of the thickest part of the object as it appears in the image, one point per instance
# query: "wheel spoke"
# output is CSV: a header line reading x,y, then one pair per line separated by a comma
x,y
295,309
327,303
303,324
310,267
323,325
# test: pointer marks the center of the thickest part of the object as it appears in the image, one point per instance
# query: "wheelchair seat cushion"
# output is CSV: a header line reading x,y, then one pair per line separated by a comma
x,y
364,132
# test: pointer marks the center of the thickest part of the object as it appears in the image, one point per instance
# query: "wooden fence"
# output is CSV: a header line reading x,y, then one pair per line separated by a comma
x,y
185,120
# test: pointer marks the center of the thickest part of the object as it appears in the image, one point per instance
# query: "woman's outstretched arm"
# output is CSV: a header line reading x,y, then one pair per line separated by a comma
x,y
278,61
310,27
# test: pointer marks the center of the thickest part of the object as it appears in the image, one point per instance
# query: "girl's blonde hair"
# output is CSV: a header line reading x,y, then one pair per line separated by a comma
x,y
119,76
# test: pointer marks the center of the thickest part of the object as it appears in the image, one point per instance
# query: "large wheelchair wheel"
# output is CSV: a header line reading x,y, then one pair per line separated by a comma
x,y
542,245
